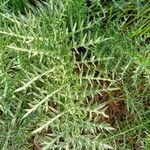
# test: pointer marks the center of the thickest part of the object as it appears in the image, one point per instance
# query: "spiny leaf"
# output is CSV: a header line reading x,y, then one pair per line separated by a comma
x,y
33,80
34,108
45,126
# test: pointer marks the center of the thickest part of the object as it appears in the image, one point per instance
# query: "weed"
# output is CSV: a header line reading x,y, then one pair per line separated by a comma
x,y
74,75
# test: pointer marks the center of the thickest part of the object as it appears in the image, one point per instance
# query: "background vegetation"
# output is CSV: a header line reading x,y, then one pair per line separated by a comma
x,y
75,75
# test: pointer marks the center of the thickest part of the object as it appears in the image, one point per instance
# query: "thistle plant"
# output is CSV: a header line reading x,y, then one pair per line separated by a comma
x,y
68,81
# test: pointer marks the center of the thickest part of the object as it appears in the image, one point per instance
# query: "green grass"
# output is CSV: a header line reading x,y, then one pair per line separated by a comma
x,y
74,77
